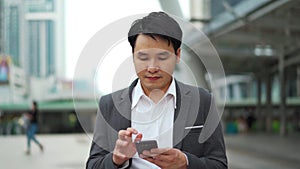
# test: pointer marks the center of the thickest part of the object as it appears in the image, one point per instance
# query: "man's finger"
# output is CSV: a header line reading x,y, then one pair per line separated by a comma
x,y
132,130
125,135
165,158
157,162
165,151
138,137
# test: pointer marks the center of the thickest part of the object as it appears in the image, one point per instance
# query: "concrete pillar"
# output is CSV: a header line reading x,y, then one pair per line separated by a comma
x,y
259,115
269,107
237,92
298,81
200,12
282,104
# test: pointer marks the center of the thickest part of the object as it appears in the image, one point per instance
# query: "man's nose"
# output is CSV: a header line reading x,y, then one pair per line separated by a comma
x,y
153,69
153,66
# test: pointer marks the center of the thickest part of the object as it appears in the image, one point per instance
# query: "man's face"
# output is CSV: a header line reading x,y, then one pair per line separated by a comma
x,y
154,61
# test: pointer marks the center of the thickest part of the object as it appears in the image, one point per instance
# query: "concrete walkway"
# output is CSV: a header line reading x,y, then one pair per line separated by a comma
x,y
61,152
263,151
70,151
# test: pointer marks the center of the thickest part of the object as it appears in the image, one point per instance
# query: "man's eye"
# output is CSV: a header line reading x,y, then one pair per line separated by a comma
x,y
163,58
143,58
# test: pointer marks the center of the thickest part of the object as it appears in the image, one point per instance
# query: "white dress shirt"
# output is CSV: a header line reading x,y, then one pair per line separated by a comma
x,y
153,120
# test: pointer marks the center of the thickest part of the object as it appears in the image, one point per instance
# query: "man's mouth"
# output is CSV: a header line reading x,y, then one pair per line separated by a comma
x,y
152,78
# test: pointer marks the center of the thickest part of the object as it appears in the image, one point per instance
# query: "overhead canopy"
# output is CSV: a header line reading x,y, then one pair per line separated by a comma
x,y
252,40
251,35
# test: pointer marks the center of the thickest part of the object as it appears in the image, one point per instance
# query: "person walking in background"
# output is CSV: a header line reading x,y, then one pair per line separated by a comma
x,y
32,127
250,119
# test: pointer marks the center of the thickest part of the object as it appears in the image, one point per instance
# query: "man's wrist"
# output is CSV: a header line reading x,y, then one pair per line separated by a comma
x,y
117,165
122,166
117,162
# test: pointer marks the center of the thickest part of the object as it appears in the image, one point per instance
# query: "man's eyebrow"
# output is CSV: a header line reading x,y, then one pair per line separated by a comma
x,y
139,53
163,53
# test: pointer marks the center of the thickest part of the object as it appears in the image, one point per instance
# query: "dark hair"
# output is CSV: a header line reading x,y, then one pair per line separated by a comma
x,y
34,103
156,24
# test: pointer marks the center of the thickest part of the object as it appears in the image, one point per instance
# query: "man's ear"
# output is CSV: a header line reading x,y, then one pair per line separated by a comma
x,y
178,55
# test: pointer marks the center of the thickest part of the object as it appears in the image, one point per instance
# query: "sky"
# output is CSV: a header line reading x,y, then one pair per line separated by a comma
x,y
84,18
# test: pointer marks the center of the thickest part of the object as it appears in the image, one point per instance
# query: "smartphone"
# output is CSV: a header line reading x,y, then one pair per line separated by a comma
x,y
145,145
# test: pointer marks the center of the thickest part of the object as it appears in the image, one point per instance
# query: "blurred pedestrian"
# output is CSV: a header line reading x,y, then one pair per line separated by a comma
x,y
242,125
250,118
33,127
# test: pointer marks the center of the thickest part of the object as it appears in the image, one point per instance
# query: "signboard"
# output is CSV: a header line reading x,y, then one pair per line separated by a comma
x,y
4,69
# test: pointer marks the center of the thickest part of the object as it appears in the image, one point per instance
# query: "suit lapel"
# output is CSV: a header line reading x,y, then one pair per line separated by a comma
x,y
123,107
123,115
183,103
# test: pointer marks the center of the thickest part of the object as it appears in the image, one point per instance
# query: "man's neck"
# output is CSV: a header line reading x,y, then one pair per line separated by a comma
x,y
156,95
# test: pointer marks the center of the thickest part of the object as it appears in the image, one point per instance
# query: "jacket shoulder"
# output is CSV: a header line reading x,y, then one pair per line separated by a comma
x,y
204,93
111,96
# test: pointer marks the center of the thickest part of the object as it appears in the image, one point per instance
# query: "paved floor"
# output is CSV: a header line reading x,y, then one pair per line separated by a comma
x,y
263,151
254,151
61,152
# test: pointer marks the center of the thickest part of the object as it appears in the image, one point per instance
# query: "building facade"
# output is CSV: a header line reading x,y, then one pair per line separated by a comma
x,y
32,37
33,32
1,26
44,23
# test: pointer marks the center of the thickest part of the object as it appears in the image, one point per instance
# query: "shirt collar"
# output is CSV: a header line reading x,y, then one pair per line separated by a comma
x,y
138,92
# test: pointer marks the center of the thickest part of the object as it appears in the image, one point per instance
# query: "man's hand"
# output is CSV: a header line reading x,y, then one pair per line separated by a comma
x,y
125,147
170,158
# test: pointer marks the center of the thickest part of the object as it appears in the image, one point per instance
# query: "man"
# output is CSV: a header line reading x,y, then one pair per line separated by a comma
x,y
156,106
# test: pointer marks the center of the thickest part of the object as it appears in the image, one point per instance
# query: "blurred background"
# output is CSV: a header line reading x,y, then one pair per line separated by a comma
x,y
258,43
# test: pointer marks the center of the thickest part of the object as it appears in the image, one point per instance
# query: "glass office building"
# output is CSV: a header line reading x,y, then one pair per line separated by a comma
x,y
32,37
32,34
10,29
44,21
1,27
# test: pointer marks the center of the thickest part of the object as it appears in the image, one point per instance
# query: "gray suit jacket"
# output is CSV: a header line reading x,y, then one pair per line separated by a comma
x,y
192,107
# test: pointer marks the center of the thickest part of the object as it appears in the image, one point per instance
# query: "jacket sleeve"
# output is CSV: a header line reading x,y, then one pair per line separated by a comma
x,y
100,156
